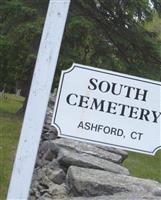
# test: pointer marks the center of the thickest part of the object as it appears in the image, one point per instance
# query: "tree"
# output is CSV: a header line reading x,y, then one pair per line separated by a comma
x,y
119,38
154,25
108,34
21,27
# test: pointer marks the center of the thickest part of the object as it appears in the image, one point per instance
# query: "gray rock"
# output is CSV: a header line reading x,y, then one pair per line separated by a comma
x,y
49,131
91,182
54,164
39,174
44,146
57,175
48,120
46,183
53,192
58,190
42,163
157,192
49,155
46,128
119,196
32,197
121,152
34,185
49,135
88,149
69,158
34,189
45,196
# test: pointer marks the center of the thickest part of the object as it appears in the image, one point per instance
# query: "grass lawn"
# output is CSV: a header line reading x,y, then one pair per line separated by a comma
x,y
9,129
10,126
144,166
10,104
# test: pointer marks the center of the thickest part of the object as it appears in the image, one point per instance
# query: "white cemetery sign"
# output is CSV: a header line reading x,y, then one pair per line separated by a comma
x,y
109,108
38,99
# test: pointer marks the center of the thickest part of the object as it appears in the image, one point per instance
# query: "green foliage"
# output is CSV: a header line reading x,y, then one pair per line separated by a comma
x,y
155,26
122,27
111,35
5,75
21,27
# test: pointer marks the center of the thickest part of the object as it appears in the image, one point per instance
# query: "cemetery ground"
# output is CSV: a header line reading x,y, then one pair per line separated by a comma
x,y
139,165
10,125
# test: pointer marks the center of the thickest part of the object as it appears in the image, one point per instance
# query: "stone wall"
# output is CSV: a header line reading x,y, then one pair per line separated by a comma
x,y
71,170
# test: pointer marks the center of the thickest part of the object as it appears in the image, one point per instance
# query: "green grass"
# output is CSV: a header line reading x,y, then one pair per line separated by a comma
x,y
144,166
10,125
10,103
9,129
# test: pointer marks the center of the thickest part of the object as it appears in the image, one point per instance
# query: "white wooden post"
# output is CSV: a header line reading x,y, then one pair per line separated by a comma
x,y
38,99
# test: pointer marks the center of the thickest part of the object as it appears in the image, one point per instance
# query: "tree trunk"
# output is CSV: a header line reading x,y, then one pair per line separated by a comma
x,y
25,89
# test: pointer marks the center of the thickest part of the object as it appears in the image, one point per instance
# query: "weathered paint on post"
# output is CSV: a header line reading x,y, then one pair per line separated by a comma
x,y
38,99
